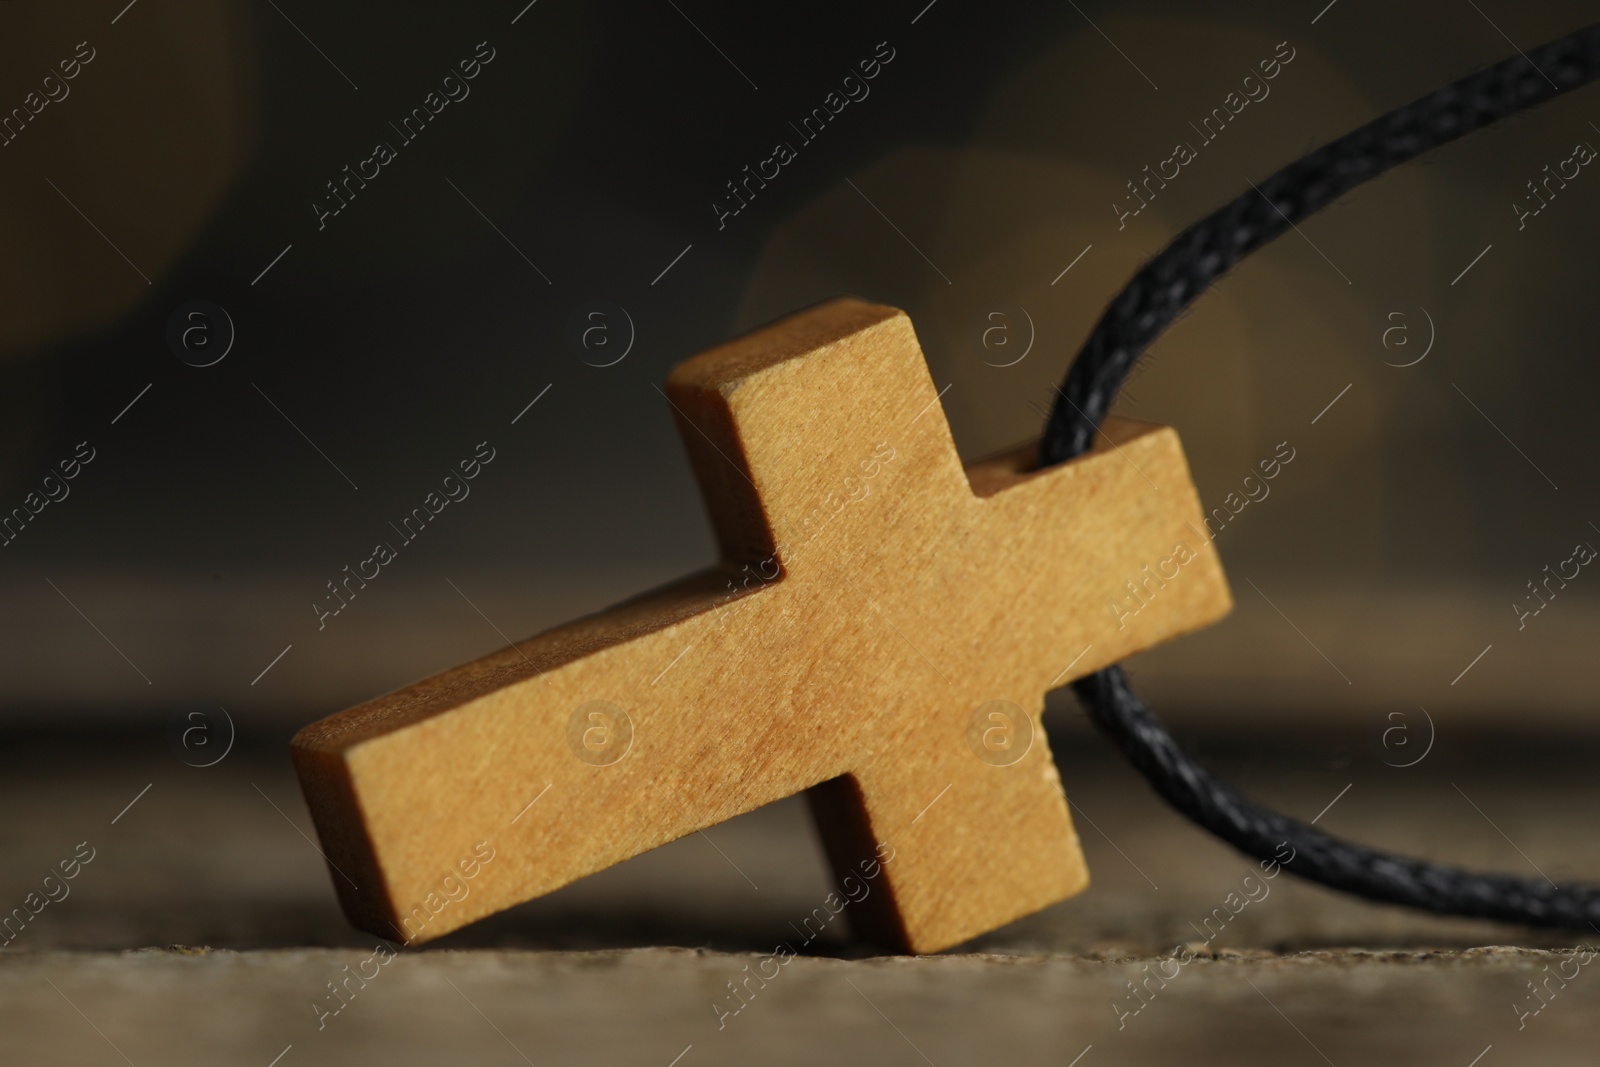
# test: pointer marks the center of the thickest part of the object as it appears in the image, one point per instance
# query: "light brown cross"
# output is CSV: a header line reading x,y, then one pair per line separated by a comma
x,y
882,633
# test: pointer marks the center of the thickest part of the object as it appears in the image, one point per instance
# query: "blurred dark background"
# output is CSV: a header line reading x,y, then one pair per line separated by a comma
x,y
424,317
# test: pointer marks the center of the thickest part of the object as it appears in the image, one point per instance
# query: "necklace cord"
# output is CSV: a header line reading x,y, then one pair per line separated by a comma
x,y
1145,307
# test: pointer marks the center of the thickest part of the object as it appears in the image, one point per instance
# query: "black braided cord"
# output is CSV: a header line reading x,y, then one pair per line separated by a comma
x,y
1145,307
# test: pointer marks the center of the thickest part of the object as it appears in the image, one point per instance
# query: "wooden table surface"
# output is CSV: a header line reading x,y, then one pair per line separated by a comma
x,y
205,929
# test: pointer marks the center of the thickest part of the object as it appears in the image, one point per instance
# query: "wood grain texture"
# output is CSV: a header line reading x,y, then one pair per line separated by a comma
x,y
874,600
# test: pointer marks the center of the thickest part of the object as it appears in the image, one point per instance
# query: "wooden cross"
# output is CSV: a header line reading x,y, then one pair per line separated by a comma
x,y
882,634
